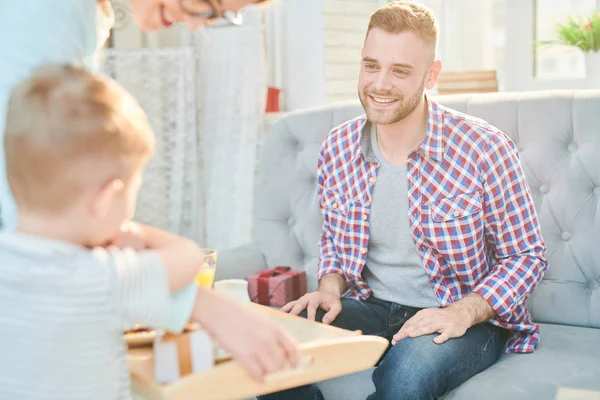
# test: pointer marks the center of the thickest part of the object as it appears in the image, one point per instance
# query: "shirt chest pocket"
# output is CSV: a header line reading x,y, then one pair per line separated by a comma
x,y
342,219
455,208
454,226
336,207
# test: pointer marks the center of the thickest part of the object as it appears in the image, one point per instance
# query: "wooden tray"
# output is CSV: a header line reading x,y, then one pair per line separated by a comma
x,y
326,352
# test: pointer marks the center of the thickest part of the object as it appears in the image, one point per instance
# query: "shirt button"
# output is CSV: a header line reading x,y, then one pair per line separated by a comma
x,y
363,251
372,179
365,217
456,213
335,205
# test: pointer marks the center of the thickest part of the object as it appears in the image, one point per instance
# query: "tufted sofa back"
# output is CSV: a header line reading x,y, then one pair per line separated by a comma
x,y
558,136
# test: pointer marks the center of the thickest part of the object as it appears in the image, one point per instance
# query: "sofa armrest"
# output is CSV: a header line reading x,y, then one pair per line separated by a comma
x,y
239,262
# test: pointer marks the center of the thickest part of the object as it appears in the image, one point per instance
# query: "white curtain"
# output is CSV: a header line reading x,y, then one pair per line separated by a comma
x,y
205,102
231,82
163,82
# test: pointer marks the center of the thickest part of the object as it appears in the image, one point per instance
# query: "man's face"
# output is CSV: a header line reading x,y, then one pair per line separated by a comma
x,y
395,69
156,14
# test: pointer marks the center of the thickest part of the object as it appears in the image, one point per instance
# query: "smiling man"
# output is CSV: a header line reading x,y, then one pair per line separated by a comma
x,y
430,237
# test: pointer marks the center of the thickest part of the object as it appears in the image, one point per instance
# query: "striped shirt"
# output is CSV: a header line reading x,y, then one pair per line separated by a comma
x,y
63,310
471,216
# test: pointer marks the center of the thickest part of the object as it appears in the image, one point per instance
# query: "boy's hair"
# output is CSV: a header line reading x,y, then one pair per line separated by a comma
x,y
69,131
405,15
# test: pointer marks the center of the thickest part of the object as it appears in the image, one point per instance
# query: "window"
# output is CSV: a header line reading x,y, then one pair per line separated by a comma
x,y
472,34
500,35
556,61
533,67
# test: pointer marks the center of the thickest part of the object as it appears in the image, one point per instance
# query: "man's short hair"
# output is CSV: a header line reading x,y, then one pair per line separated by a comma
x,y
68,130
405,15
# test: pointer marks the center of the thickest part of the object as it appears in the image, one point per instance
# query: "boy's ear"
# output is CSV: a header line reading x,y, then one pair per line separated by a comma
x,y
106,196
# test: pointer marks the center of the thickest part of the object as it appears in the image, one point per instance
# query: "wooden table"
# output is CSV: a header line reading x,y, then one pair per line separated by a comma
x,y
326,352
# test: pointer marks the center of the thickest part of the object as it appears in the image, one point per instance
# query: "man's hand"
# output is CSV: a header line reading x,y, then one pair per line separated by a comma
x,y
255,340
131,235
310,302
448,322
327,297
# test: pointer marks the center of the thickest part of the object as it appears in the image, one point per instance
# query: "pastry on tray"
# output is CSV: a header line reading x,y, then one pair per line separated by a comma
x,y
139,336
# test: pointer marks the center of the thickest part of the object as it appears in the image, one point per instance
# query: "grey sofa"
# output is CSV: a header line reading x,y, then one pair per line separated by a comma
x,y
558,135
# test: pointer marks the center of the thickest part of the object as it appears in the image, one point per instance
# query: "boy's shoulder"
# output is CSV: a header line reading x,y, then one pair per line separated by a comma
x,y
27,256
24,245
49,255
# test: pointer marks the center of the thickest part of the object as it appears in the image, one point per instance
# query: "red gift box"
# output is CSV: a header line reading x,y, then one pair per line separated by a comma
x,y
277,286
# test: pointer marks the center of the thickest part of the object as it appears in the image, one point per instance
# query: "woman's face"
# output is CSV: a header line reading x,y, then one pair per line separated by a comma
x,y
156,14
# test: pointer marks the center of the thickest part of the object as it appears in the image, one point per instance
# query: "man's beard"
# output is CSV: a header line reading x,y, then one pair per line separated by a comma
x,y
390,116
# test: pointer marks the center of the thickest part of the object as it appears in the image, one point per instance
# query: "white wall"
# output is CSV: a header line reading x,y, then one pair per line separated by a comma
x,y
346,23
303,75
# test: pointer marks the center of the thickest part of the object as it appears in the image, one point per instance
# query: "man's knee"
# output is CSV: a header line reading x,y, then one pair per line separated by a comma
x,y
410,371
418,368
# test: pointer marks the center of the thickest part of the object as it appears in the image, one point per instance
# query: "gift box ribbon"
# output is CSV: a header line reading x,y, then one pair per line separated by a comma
x,y
263,282
184,349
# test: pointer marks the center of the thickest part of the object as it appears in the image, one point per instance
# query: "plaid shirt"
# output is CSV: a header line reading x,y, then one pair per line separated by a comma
x,y
471,214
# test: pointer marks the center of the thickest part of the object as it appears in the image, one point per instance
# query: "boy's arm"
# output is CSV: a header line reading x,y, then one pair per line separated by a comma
x,y
138,284
182,257
171,264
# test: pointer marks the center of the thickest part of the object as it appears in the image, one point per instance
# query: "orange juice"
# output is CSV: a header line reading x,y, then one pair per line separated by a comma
x,y
206,277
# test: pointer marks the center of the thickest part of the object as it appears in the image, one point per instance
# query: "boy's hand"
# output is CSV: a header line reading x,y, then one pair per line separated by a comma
x,y
256,341
131,235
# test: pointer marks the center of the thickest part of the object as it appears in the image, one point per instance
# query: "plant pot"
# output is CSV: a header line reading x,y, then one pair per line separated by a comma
x,y
592,69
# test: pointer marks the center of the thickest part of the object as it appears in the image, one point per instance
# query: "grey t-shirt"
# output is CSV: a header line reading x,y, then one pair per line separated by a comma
x,y
63,311
393,268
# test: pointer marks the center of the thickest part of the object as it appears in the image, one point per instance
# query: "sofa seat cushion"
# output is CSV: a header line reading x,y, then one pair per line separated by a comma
x,y
567,357
349,387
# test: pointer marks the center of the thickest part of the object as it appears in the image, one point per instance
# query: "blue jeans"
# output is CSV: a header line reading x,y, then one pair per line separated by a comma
x,y
414,368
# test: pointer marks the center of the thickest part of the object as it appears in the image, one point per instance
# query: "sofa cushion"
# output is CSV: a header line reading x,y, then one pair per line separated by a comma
x,y
349,387
567,357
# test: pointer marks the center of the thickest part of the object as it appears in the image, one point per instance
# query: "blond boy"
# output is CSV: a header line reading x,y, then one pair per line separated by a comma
x,y
76,145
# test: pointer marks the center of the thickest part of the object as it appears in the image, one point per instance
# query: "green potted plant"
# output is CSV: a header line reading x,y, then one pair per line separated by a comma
x,y
584,33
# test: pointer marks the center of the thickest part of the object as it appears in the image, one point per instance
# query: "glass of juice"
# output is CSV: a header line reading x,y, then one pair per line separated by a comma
x,y
206,274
